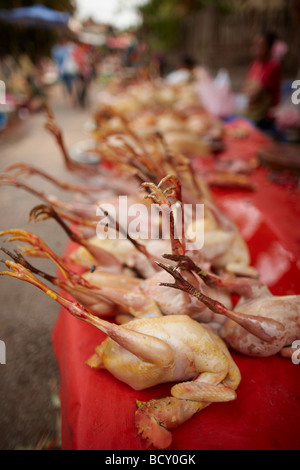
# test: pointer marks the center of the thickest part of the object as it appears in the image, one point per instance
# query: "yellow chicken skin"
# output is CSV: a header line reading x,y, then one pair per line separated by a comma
x,y
149,351
188,349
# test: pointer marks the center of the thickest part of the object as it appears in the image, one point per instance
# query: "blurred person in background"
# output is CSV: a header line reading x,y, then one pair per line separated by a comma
x,y
63,55
263,82
184,73
84,57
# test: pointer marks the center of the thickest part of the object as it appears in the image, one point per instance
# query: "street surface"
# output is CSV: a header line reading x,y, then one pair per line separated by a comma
x,y
30,376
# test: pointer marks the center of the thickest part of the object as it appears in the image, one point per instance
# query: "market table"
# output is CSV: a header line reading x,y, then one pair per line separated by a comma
x,y
98,411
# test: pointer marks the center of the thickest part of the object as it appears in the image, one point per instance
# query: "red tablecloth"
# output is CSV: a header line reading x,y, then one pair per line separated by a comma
x,y
98,411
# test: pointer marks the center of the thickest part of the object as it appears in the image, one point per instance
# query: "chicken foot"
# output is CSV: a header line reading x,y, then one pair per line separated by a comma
x,y
101,298
266,329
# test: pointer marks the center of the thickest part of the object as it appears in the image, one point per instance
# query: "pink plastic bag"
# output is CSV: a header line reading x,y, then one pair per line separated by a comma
x,y
216,95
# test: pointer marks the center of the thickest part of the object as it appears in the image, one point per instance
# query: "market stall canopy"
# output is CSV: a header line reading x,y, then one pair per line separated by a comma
x,y
35,16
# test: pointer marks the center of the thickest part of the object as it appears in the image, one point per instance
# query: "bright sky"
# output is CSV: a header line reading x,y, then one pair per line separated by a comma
x,y
119,13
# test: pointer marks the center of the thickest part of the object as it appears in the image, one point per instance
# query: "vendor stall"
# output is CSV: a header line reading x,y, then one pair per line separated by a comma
x,y
211,360
98,410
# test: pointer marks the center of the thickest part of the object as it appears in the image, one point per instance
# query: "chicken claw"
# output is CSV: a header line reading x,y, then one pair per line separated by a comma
x,y
266,329
104,258
163,198
244,286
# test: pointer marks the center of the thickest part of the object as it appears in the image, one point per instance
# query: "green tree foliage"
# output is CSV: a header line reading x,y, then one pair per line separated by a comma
x,y
36,42
163,20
